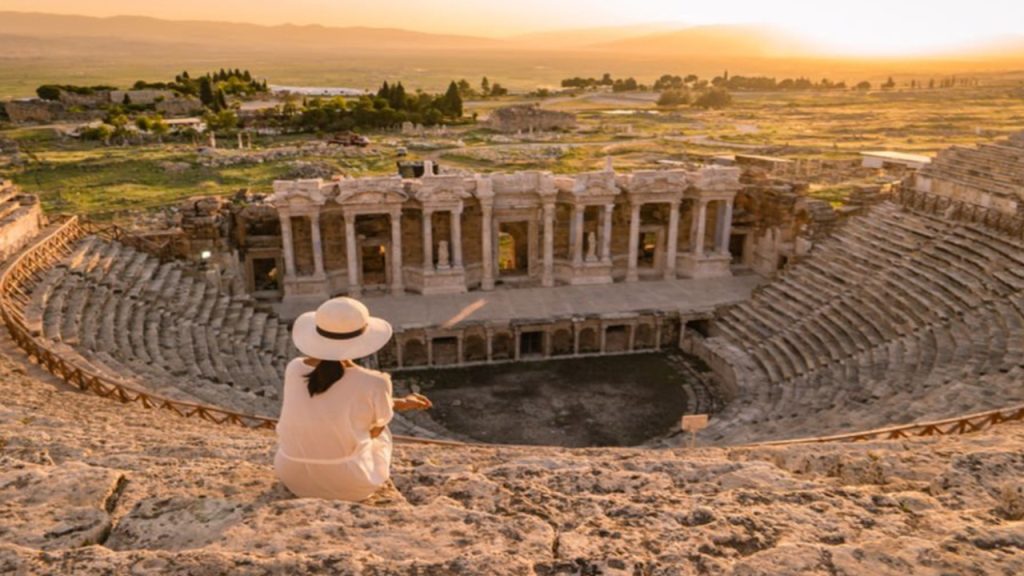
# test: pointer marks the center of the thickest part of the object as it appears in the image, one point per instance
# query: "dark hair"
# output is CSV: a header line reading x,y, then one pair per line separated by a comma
x,y
326,373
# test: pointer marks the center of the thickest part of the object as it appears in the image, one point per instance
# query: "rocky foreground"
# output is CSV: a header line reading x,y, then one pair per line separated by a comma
x,y
91,486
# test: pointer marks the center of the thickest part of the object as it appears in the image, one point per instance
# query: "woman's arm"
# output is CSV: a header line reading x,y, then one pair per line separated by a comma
x,y
412,402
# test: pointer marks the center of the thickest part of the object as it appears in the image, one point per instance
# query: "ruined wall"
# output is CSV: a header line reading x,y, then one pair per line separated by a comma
x,y
32,111
302,242
143,97
332,236
529,118
412,238
179,106
472,235
21,218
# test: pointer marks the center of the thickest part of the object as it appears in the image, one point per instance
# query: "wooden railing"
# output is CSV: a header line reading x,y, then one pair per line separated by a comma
x,y
948,427
16,281
162,250
19,276
960,211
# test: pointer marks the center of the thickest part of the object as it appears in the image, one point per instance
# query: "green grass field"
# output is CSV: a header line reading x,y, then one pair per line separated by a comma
x,y
89,177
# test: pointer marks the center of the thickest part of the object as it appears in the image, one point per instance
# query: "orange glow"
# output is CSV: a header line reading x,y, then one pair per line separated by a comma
x,y
865,27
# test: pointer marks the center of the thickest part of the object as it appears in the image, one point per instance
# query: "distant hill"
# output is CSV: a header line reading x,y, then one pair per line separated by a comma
x,y
48,48
586,38
249,36
720,41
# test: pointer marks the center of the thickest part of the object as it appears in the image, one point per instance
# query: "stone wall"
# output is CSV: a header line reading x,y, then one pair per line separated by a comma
x,y
21,218
178,106
95,99
33,111
529,118
143,97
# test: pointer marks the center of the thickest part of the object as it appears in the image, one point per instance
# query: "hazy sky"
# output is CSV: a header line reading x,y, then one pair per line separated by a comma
x,y
857,26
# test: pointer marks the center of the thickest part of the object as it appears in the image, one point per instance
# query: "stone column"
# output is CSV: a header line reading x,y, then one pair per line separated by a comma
x,y
318,247
657,332
397,283
575,338
724,227
699,228
606,234
487,283
634,243
577,240
548,276
489,335
286,244
352,255
456,234
673,241
428,241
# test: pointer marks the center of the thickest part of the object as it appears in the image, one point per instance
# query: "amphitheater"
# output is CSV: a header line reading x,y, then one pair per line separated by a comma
x,y
872,393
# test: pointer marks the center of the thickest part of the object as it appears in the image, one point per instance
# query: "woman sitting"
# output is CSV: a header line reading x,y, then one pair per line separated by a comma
x,y
333,440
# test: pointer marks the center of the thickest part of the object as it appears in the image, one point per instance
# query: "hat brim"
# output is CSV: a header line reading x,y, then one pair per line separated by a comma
x,y
313,345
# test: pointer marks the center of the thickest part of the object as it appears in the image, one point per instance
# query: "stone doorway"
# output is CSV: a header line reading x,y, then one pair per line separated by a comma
x,y
266,276
651,254
513,249
446,351
376,275
738,248
531,344
374,251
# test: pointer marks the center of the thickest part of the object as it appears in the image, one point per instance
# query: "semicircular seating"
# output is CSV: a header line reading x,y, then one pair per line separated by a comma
x,y
900,316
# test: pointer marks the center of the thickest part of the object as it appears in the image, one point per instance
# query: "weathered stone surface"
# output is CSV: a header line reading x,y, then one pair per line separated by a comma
x,y
201,499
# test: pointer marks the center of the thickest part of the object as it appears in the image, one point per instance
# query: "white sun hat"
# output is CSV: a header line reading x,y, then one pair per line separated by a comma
x,y
340,329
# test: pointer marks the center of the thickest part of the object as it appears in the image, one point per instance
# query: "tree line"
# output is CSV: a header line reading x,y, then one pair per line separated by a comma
x,y
390,106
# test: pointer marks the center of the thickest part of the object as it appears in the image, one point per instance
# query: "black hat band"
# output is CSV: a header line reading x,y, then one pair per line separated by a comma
x,y
341,335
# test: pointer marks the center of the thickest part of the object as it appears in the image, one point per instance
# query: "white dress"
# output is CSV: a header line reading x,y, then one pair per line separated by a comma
x,y
324,444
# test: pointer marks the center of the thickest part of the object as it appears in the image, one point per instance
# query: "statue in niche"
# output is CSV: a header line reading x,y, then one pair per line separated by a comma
x,y
443,261
592,246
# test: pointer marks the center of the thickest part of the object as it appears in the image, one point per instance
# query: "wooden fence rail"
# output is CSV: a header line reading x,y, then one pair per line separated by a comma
x,y
19,275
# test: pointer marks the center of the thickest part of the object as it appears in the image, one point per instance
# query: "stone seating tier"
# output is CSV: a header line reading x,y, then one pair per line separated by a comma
x,y
159,328
896,305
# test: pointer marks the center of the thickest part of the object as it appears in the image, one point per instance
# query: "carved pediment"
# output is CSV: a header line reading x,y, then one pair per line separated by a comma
x,y
298,193
370,191
658,182
717,178
524,183
441,190
595,184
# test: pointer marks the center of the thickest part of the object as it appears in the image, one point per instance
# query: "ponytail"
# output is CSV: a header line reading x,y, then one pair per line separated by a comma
x,y
326,373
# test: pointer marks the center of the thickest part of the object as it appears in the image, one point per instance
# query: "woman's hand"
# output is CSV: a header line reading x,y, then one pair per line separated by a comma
x,y
413,402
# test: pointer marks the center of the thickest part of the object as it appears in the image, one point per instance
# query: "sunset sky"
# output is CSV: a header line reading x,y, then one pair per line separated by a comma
x,y
863,27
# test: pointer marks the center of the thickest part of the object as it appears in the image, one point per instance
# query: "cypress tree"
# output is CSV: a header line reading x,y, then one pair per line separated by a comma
x,y
397,99
453,101
206,95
